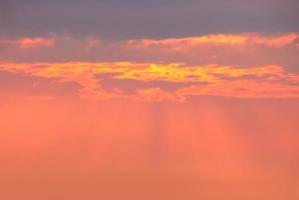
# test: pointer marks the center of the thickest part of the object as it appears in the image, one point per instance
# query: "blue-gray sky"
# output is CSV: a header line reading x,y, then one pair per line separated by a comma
x,y
131,19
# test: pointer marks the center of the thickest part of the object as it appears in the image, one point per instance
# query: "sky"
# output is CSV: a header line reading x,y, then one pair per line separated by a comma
x,y
160,99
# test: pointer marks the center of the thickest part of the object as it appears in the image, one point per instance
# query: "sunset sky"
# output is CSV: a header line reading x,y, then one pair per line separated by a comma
x,y
149,99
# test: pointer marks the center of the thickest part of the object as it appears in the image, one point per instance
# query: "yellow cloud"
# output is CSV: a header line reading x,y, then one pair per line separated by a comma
x,y
266,81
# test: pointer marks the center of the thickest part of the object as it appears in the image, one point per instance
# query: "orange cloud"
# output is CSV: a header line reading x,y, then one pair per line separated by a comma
x,y
244,49
35,42
217,39
259,82
27,43
293,78
243,89
275,41
178,43
155,94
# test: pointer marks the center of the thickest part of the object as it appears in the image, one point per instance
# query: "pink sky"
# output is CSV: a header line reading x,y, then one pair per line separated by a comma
x,y
90,110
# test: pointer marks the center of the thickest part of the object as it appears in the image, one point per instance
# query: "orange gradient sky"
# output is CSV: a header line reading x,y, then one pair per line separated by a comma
x,y
90,110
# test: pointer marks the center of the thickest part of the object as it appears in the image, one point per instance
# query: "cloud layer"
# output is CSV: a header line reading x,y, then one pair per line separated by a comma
x,y
240,50
158,82
245,65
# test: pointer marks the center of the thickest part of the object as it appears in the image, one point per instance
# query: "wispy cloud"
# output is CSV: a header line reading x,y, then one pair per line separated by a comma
x,y
28,43
218,39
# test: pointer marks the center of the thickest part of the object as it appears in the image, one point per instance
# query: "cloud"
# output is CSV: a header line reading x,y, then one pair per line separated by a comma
x,y
153,80
28,43
155,94
240,50
217,39
245,65
22,85
243,89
